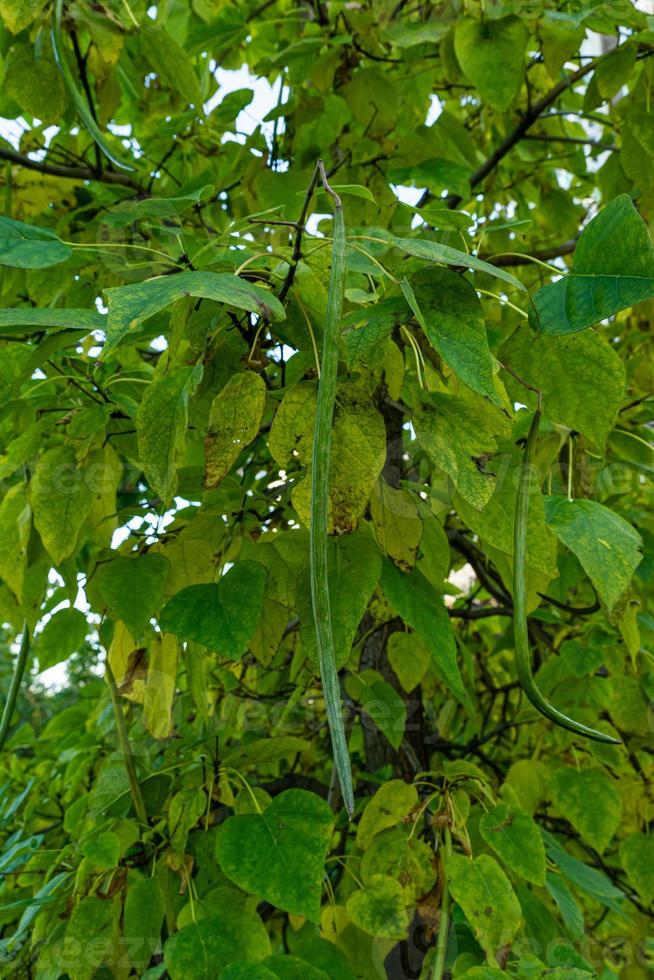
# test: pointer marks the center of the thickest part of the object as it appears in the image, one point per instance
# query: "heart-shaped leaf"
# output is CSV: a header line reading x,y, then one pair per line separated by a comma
x,y
280,854
217,615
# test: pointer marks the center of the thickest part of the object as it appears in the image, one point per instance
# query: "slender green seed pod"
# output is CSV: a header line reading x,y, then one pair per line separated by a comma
x,y
14,687
319,511
521,636
76,96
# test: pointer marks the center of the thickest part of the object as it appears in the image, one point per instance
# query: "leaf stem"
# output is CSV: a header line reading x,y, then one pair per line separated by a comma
x,y
126,748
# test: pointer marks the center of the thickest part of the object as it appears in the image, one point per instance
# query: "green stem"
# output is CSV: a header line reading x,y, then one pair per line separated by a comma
x,y
521,635
14,687
76,96
320,504
444,923
126,748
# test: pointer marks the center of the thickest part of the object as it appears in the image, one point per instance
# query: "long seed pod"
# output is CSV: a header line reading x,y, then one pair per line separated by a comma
x,y
521,636
76,96
320,505
14,687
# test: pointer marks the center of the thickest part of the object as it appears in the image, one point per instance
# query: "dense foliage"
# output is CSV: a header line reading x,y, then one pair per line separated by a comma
x,y
171,808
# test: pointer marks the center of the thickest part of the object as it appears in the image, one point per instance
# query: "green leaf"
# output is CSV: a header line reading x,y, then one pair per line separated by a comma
x,y
582,379
130,305
460,435
448,310
409,658
234,421
568,909
23,448
92,917
243,971
26,247
423,610
515,838
61,636
485,894
34,320
590,800
215,615
168,207
199,950
61,500
355,190
322,954
169,60
279,854
608,548
380,702
102,850
379,908
444,255
133,589
637,858
143,917
613,269
161,424
354,567
393,801
582,876
286,967
491,54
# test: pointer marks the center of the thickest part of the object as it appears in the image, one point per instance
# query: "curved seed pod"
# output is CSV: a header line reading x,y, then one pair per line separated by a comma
x,y
14,687
76,96
319,508
521,636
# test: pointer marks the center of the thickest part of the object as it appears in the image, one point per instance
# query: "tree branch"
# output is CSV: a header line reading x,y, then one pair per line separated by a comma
x,y
517,133
71,173
544,255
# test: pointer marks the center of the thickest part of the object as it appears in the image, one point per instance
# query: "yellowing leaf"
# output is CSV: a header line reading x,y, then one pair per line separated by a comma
x,y
160,685
392,802
379,908
590,800
485,894
15,524
397,524
460,435
161,426
234,421
61,500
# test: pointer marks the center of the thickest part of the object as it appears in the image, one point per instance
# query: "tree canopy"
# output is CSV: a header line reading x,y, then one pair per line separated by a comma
x,y
431,247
